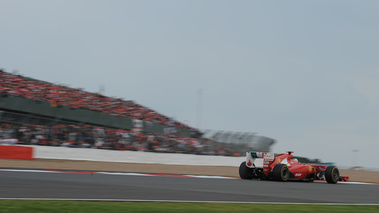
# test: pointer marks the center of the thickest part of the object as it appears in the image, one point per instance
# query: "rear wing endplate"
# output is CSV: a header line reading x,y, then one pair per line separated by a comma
x,y
256,159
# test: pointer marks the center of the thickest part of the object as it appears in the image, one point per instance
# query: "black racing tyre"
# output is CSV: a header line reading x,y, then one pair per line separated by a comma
x,y
245,172
332,174
281,172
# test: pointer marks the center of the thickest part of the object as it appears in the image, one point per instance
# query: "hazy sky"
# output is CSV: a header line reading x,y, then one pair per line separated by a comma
x,y
303,72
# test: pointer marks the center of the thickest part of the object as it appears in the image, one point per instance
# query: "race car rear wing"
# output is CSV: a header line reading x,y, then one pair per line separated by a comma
x,y
255,159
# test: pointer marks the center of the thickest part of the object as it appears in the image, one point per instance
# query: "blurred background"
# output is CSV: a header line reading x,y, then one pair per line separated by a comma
x,y
209,77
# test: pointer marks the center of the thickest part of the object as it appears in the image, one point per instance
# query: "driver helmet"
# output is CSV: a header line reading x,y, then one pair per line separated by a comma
x,y
295,159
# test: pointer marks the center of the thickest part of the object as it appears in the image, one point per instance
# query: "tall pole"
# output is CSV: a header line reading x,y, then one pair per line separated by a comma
x,y
102,89
354,157
198,108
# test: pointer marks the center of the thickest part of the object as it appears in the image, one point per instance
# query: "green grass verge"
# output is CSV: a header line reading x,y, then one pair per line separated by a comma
x,y
15,206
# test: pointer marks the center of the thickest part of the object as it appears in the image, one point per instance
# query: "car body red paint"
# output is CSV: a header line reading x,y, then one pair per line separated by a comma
x,y
283,167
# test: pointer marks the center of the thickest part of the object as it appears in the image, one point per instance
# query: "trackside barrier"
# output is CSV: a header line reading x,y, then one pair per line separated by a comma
x,y
86,154
16,152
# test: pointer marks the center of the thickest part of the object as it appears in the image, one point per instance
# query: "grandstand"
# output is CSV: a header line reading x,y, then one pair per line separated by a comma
x,y
43,113
59,95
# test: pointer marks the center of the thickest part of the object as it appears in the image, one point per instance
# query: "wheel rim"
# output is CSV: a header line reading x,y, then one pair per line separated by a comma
x,y
335,174
284,173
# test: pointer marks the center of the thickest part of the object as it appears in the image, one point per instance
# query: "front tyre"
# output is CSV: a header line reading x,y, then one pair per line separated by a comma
x,y
245,172
332,174
281,172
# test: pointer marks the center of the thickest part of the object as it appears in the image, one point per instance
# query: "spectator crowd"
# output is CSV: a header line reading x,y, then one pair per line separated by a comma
x,y
19,85
88,136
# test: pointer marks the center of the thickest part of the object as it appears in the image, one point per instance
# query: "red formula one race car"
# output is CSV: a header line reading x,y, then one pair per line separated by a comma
x,y
283,167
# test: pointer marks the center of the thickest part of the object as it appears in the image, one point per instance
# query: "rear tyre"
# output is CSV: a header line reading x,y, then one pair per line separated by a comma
x,y
281,172
245,172
332,174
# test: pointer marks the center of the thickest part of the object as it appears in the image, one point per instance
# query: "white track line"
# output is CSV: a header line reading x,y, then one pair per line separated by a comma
x,y
124,173
115,173
188,201
144,174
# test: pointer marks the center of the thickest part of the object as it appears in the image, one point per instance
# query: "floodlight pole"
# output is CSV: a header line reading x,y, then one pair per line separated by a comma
x,y
352,157
198,108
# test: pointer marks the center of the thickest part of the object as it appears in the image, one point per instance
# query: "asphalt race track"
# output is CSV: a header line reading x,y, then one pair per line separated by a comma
x,y
72,186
